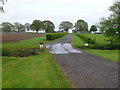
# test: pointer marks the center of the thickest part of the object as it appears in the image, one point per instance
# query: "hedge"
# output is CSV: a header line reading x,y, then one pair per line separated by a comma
x,y
52,36
96,45
86,39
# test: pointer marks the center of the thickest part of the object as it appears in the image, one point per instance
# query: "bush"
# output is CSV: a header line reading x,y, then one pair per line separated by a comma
x,y
22,52
86,39
95,45
52,36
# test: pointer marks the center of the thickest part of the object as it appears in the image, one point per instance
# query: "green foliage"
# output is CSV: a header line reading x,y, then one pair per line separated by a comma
x,y
36,25
111,25
86,38
81,26
6,27
48,26
93,28
109,54
19,27
97,43
21,52
52,36
66,25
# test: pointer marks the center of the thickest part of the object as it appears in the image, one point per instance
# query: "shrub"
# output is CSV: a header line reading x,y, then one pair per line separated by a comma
x,y
86,39
22,52
52,36
95,45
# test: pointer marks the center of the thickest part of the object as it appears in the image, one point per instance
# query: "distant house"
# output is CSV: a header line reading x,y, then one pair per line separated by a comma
x,y
97,32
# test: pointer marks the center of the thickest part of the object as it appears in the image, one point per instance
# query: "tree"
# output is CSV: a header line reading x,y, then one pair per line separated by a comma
x,y
81,26
48,26
6,27
66,25
93,28
111,25
27,26
19,27
1,7
36,25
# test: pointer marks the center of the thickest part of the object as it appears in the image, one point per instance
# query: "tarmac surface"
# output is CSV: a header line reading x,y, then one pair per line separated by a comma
x,y
85,70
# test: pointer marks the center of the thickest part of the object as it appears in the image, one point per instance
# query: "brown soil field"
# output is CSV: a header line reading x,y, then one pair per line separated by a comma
x,y
18,37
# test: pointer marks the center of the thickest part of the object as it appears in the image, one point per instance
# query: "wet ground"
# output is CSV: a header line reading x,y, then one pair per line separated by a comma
x,y
84,70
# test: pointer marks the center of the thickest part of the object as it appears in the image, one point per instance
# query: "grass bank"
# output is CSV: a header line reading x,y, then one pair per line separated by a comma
x,y
39,71
109,54
25,44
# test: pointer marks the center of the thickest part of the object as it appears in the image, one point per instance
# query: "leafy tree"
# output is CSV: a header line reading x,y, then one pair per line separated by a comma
x,y
93,28
66,25
81,25
111,25
27,26
6,27
36,25
48,26
19,27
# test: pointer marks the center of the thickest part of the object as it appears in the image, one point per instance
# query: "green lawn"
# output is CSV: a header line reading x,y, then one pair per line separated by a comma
x,y
40,71
77,42
109,54
25,44
100,38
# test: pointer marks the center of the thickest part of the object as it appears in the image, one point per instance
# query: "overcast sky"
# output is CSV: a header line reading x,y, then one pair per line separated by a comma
x,y
25,11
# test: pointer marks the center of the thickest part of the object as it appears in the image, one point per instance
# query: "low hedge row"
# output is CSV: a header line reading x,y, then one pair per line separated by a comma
x,y
52,36
86,39
95,45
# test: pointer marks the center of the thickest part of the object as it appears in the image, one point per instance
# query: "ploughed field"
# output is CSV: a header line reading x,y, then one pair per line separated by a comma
x,y
19,36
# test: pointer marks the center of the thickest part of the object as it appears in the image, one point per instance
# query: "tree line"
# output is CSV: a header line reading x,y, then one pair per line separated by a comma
x,y
36,25
47,26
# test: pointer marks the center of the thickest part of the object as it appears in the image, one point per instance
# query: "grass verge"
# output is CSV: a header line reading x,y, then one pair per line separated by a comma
x,y
109,54
25,44
39,71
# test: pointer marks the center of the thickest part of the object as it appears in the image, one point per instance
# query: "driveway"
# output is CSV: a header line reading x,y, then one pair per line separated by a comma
x,y
84,70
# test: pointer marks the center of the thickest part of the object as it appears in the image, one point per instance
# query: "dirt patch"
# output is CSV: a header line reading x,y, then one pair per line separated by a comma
x,y
18,37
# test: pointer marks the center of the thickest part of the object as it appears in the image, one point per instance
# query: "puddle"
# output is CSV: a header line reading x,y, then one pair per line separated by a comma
x,y
58,49
64,48
68,47
48,46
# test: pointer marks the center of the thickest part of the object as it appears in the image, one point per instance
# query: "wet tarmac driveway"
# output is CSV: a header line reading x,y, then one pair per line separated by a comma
x,y
84,70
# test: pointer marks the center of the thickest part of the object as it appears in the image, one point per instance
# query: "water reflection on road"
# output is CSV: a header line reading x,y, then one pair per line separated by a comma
x,y
64,48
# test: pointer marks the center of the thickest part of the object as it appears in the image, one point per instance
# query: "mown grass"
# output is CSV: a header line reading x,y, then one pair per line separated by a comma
x,y
40,71
109,54
25,44
100,38
77,42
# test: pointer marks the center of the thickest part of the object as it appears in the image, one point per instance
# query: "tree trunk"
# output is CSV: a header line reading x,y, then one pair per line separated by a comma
x,y
36,31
